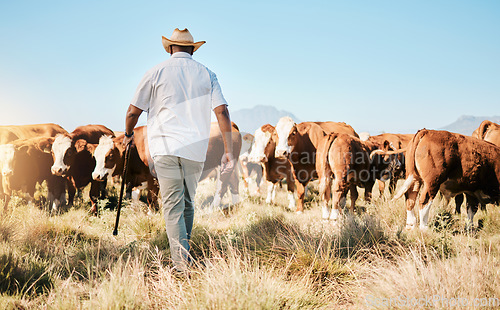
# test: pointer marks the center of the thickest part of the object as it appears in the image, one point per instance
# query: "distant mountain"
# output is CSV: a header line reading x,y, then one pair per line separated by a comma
x,y
466,124
249,120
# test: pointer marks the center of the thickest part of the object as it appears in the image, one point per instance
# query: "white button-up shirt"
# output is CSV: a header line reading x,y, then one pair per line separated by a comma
x,y
178,95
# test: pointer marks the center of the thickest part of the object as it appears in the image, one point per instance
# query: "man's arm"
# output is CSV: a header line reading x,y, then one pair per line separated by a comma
x,y
131,119
222,114
228,159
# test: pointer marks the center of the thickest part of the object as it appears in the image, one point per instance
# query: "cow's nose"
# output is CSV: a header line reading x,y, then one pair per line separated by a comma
x,y
281,153
57,171
7,172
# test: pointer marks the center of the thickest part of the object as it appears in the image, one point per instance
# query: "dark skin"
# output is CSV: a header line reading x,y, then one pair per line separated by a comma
x,y
221,112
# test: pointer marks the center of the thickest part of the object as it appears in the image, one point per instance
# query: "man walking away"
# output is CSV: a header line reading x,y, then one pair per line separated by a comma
x,y
178,95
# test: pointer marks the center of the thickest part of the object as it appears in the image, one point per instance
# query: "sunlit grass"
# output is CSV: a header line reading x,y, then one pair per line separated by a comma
x,y
255,256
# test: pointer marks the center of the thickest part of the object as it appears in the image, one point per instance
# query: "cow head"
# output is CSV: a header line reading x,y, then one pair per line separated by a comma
x,y
106,155
63,153
386,161
6,159
286,131
261,141
246,143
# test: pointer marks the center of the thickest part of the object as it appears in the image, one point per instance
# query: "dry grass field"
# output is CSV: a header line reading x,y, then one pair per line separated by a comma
x,y
256,257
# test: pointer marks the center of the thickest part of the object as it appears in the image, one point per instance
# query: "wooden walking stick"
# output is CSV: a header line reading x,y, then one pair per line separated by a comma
x,y
124,180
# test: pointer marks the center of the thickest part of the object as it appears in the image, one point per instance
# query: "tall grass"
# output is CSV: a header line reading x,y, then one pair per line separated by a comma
x,y
256,257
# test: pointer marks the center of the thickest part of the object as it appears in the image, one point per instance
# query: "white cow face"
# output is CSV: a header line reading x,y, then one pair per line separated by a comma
x,y
7,159
261,140
284,128
106,156
63,152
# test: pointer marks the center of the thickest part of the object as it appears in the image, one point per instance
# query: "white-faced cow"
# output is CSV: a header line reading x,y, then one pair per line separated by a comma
x,y
110,159
275,169
27,162
73,159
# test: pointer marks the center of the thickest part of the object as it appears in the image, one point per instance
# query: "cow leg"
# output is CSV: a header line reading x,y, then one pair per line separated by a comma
x,y
354,197
368,191
95,188
393,182
259,179
472,207
71,192
459,200
153,191
234,187
427,197
381,187
291,186
300,196
411,199
218,191
325,193
271,192
339,193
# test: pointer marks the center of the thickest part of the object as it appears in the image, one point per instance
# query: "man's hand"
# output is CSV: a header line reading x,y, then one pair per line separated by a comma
x,y
227,164
128,140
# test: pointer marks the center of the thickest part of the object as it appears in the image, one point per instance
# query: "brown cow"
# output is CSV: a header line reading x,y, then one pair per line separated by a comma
x,y
397,141
73,159
275,169
488,131
110,158
352,163
299,143
453,164
26,163
214,154
15,132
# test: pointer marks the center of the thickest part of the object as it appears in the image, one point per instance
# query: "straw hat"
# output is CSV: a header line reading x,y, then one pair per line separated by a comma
x,y
182,38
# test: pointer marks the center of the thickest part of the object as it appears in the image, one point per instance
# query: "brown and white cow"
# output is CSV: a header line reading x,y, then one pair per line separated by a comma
x,y
275,169
214,154
299,143
110,159
453,164
15,132
73,159
396,141
27,162
352,163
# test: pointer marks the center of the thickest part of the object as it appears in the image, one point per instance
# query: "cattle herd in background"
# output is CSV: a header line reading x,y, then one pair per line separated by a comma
x,y
429,162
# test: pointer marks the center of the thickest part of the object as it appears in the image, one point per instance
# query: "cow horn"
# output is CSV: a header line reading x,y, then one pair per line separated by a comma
x,y
382,152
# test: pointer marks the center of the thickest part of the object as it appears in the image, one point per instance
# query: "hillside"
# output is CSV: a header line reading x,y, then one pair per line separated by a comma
x,y
466,124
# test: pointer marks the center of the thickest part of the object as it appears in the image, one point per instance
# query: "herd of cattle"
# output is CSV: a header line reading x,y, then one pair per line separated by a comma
x,y
430,162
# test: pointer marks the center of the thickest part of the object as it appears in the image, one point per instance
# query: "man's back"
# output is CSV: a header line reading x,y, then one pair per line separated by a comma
x,y
178,95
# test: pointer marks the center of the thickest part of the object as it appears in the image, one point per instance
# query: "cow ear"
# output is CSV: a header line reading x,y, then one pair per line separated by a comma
x,y
302,128
22,148
387,145
80,145
91,147
46,145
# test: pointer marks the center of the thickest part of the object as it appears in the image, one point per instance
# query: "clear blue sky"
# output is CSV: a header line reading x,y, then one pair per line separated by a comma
x,y
377,65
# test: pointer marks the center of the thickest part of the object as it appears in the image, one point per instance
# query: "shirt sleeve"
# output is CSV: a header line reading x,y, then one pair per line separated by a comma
x,y
143,93
217,97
